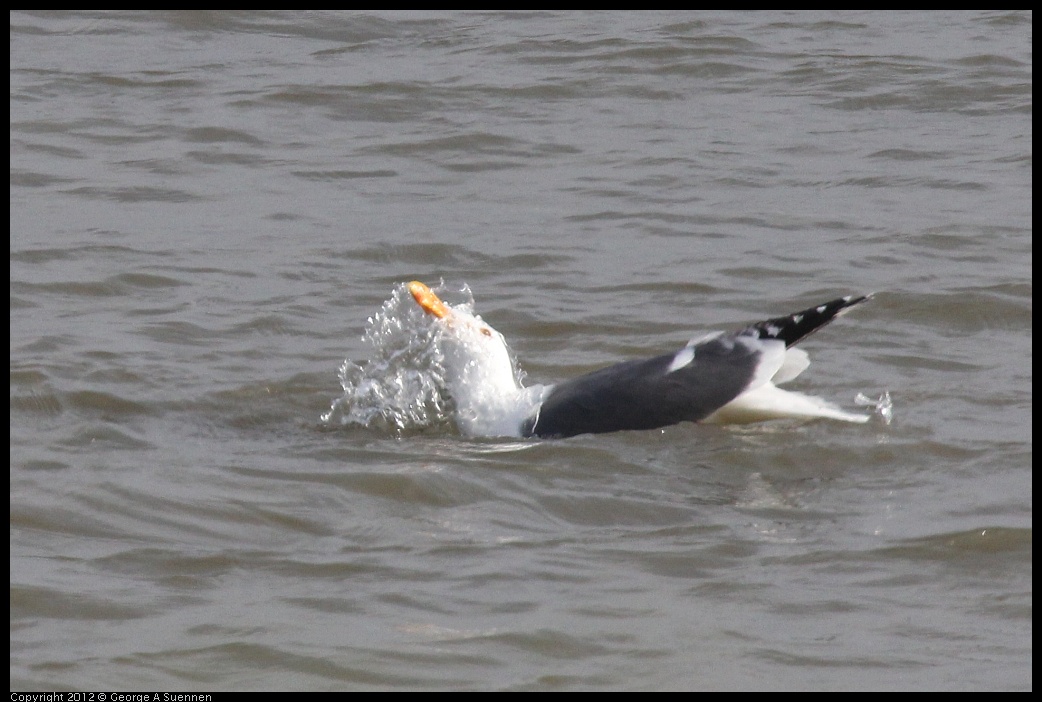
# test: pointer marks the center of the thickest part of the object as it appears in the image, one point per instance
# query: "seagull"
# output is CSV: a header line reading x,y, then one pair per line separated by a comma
x,y
723,377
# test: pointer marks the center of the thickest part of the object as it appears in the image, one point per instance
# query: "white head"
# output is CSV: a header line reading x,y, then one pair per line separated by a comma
x,y
480,371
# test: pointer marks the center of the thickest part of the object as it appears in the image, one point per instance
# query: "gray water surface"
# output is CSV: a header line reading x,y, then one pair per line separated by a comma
x,y
207,207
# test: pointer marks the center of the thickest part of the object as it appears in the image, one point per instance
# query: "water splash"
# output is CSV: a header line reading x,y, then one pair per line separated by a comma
x,y
883,406
424,372
402,386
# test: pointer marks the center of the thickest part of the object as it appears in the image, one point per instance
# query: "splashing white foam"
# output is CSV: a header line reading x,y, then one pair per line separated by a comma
x,y
883,406
426,372
401,386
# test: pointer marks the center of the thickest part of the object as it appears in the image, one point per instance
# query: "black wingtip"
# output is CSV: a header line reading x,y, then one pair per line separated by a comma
x,y
797,326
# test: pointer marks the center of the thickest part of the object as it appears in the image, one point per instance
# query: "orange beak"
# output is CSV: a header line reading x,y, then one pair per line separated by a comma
x,y
426,299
